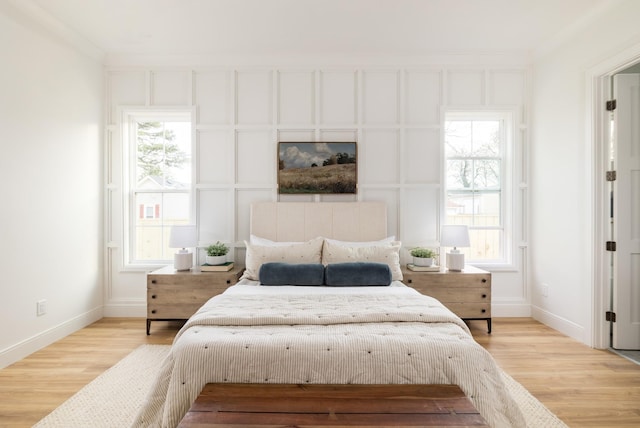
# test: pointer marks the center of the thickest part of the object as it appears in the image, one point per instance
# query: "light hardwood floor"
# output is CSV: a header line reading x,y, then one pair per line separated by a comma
x,y
583,386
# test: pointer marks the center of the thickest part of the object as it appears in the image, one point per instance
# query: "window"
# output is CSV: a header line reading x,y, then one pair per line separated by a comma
x,y
150,211
477,181
159,182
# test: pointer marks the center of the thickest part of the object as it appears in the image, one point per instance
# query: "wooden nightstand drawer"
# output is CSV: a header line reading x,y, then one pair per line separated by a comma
x,y
458,294
178,301
176,311
195,280
447,279
470,310
173,295
466,293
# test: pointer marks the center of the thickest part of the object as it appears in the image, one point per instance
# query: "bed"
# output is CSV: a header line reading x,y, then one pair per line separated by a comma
x,y
341,331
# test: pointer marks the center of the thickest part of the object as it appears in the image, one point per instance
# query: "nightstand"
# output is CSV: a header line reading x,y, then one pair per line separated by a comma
x,y
176,295
466,293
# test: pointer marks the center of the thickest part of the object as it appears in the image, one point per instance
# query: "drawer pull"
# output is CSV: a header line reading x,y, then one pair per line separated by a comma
x,y
228,281
410,281
484,310
153,311
484,296
484,280
153,296
153,281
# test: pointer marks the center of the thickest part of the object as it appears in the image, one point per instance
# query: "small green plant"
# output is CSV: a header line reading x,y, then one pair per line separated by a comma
x,y
217,249
423,253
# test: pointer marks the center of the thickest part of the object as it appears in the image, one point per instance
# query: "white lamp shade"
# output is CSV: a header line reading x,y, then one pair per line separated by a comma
x,y
183,237
454,235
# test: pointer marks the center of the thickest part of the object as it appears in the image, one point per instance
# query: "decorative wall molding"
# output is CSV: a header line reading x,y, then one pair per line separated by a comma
x,y
394,113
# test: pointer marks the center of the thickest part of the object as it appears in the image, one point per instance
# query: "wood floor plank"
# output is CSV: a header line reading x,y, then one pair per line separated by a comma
x,y
31,388
584,387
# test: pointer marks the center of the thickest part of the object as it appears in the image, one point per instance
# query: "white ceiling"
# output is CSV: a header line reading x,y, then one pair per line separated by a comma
x,y
250,27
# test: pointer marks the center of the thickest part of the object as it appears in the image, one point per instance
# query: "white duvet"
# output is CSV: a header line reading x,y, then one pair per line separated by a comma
x,y
325,335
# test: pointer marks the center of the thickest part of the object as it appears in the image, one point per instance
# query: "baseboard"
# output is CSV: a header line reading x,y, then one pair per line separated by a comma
x,y
560,324
510,310
29,346
126,309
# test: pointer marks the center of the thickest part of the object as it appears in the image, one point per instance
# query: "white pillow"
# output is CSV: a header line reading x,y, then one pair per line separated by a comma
x,y
389,254
256,240
386,241
257,255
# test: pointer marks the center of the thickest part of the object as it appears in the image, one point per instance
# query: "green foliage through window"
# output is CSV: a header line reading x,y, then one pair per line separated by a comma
x,y
157,151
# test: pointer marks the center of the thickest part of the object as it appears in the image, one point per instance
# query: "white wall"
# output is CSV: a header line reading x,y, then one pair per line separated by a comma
x,y
50,197
561,155
393,111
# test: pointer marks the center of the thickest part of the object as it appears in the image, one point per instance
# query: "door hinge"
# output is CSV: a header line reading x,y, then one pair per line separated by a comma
x,y
611,245
610,316
611,176
611,105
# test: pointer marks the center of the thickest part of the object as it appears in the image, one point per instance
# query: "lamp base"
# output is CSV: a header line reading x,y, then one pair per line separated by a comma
x,y
455,261
183,261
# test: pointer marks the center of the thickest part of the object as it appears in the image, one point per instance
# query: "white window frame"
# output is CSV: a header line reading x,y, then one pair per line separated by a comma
x,y
129,159
508,181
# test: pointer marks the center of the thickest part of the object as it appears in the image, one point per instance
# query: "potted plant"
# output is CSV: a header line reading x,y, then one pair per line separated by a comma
x,y
422,256
216,254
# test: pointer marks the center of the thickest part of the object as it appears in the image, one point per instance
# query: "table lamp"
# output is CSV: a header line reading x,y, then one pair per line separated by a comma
x,y
183,237
454,235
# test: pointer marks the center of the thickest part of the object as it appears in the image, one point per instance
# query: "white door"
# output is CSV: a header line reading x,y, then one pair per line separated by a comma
x,y
626,213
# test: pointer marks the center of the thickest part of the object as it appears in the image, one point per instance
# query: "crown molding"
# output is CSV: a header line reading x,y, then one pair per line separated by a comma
x,y
293,59
558,40
30,15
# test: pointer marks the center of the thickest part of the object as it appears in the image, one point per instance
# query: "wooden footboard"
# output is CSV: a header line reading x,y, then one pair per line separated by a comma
x,y
261,405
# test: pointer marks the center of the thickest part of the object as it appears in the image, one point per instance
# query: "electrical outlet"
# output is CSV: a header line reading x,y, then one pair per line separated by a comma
x,y
41,306
544,289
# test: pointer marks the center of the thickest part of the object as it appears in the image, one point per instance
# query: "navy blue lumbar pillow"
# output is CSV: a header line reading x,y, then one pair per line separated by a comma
x,y
357,274
276,273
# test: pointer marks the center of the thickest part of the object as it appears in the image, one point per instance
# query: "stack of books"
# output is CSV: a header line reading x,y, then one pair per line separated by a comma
x,y
432,268
217,268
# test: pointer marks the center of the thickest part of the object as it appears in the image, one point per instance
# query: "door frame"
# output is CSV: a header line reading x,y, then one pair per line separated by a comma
x,y
598,91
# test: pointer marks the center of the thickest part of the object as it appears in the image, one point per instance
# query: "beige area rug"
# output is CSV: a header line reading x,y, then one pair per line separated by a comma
x,y
113,398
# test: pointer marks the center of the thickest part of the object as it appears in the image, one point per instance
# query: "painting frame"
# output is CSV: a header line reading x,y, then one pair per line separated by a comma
x,y
314,168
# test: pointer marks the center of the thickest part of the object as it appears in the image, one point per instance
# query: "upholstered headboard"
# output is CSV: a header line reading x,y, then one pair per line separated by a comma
x,y
301,221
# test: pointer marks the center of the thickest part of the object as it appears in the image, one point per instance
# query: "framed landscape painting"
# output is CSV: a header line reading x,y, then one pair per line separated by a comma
x,y
314,168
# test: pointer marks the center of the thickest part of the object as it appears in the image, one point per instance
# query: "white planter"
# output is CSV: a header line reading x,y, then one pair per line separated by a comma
x,y
422,261
215,260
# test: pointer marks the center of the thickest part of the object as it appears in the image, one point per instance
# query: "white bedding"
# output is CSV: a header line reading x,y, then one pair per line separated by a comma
x,y
325,335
